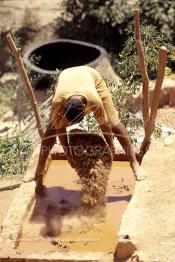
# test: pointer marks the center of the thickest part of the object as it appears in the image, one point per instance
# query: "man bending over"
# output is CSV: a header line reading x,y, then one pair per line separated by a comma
x,y
80,91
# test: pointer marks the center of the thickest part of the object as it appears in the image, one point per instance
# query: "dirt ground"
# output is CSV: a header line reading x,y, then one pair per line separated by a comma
x,y
6,198
150,213
13,13
158,202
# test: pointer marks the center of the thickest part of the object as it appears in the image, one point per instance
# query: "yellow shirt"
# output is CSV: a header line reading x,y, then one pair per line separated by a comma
x,y
87,82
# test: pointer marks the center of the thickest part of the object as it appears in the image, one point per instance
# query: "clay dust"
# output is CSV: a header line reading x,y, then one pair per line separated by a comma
x,y
92,160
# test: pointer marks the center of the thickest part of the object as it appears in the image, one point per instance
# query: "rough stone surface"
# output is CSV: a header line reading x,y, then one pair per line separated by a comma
x,y
166,116
12,223
106,70
29,176
169,140
62,256
167,96
149,222
6,199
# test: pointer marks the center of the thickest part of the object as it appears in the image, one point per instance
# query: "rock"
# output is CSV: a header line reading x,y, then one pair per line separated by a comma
x,y
124,248
7,77
169,140
30,173
167,96
9,116
165,117
4,127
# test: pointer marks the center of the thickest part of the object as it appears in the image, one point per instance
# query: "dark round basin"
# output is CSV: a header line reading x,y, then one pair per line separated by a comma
x,y
61,54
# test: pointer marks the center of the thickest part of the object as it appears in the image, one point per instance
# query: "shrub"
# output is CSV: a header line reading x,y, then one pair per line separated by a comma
x,y
13,92
128,67
128,70
96,21
14,153
159,13
106,22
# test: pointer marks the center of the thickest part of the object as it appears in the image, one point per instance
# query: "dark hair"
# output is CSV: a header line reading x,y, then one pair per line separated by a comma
x,y
74,110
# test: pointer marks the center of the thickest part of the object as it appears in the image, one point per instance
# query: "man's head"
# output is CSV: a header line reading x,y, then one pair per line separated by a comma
x,y
74,109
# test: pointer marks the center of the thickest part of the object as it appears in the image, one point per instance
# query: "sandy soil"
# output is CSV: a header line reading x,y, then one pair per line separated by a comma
x,y
13,13
159,203
166,116
6,198
149,219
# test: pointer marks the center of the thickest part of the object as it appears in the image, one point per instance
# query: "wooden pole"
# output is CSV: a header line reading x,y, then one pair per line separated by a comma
x,y
145,81
156,97
17,54
148,118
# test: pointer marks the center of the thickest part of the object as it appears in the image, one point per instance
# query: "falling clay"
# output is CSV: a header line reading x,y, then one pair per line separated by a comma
x,y
92,159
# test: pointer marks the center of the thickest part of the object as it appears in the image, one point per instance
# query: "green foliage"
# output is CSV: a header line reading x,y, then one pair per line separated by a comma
x,y
6,58
128,67
96,21
131,83
14,150
13,93
122,98
159,13
54,81
6,95
14,153
104,22
89,123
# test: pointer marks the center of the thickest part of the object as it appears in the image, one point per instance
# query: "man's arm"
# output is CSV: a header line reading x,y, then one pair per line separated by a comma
x,y
120,131
102,120
107,133
117,128
47,143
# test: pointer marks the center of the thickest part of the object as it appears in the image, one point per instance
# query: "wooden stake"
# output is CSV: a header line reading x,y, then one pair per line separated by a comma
x,y
17,54
149,119
156,97
145,81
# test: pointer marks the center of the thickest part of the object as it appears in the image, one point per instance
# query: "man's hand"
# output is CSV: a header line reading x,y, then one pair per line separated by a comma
x,y
144,148
139,173
112,147
46,145
39,188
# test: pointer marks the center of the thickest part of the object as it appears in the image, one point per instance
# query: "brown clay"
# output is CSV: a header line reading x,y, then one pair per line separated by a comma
x,y
92,159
